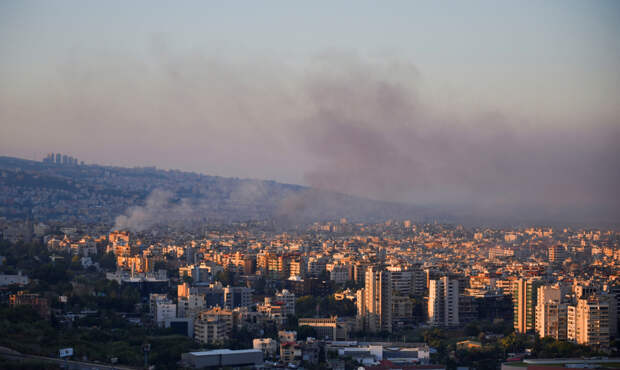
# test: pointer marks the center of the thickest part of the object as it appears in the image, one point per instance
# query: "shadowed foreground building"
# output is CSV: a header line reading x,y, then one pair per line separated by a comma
x,y
561,363
220,358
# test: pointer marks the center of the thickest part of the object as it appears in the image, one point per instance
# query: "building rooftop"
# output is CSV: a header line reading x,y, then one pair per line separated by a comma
x,y
225,351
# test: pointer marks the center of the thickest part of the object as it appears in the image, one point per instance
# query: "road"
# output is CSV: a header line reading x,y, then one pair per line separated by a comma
x,y
68,364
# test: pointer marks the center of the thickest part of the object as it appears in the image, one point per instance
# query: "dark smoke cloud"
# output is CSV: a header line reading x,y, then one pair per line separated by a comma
x,y
338,122
373,136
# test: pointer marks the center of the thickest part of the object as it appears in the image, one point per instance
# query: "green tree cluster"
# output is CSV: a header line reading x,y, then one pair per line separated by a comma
x,y
311,306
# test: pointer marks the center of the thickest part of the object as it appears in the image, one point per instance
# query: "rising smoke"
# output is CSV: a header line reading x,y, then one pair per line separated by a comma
x,y
373,136
344,124
159,209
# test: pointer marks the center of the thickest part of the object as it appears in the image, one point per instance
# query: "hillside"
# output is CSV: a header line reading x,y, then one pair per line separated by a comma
x,y
141,197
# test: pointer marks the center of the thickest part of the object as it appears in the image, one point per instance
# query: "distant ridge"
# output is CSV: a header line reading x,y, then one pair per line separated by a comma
x,y
146,196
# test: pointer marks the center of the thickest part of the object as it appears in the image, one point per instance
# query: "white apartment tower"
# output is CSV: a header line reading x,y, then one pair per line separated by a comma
x,y
551,314
443,302
588,322
377,300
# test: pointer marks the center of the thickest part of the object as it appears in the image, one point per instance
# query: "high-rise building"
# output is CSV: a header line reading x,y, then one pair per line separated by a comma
x,y
401,280
551,314
408,280
359,272
588,322
557,254
402,312
418,280
584,290
524,301
377,300
443,302
237,296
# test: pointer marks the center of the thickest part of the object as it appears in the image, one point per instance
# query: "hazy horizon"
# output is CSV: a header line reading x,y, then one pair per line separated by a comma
x,y
500,109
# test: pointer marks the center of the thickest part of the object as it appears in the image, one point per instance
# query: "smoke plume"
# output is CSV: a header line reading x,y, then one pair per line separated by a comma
x,y
337,122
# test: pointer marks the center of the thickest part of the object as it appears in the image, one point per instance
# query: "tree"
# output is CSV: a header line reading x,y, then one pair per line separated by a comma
x,y
306,306
305,331
434,337
75,263
225,277
471,330
291,322
108,261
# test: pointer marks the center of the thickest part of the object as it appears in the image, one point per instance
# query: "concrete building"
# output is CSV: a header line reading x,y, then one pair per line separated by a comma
x,y
401,280
287,336
198,273
443,302
408,280
189,306
359,272
331,328
402,312
221,358
38,303
290,352
377,306
154,299
213,326
18,279
557,254
288,300
588,322
551,314
524,300
299,268
165,311
237,297
339,273
181,325
268,346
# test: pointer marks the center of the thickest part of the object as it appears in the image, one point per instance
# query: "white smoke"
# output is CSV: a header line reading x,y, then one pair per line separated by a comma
x,y
158,209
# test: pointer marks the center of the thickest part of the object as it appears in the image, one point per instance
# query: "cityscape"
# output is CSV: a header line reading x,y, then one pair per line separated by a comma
x,y
336,294
329,185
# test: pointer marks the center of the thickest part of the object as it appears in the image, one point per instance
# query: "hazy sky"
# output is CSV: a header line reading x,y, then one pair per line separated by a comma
x,y
497,104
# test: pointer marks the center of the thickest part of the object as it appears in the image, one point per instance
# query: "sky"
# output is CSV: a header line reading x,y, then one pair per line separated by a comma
x,y
489,106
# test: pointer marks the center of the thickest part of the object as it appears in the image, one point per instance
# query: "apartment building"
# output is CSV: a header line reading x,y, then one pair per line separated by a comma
x,y
524,300
443,302
588,322
551,314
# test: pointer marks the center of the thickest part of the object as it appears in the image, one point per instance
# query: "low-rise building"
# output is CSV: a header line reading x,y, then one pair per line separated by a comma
x,y
38,303
221,358
268,346
331,328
